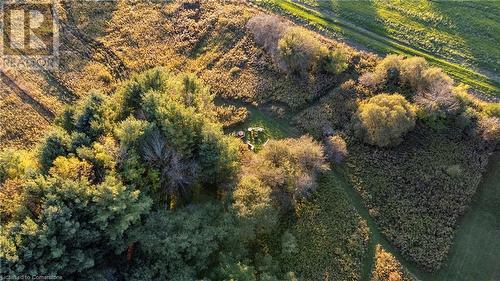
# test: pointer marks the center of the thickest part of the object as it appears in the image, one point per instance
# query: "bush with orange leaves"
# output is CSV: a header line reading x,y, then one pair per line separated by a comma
x,y
387,268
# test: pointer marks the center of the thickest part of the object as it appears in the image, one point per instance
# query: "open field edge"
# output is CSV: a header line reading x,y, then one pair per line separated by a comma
x,y
475,80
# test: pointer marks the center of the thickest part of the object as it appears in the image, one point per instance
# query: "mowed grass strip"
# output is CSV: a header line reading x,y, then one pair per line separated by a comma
x,y
386,45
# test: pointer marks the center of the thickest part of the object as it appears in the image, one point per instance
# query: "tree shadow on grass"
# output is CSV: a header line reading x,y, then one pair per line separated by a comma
x,y
478,24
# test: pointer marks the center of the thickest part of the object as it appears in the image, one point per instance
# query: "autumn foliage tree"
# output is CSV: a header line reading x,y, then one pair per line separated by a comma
x,y
299,51
289,168
267,31
253,207
384,119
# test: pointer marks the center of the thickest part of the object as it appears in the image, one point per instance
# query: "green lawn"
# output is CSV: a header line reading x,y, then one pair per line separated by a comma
x,y
276,128
370,28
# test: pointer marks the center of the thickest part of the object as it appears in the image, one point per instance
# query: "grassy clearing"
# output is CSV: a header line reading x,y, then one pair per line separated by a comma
x,y
385,45
275,129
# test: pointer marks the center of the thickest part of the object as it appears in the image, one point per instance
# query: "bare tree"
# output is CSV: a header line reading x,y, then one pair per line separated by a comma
x,y
267,31
176,174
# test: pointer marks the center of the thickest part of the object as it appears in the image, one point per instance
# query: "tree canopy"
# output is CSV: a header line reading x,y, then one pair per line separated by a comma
x,y
384,119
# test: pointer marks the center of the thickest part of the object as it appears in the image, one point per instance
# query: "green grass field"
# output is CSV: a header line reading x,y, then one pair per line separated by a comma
x,y
384,28
275,129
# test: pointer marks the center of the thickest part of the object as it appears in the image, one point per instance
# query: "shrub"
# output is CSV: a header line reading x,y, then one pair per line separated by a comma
x,y
412,71
102,155
230,115
289,167
11,199
489,129
100,71
387,70
253,207
71,168
335,62
433,106
436,82
388,268
394,72
15,164
335,148
103,74
299,51
267,31
384,119
130,131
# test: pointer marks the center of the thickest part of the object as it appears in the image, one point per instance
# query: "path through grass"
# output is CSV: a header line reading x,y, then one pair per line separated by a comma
x,y
475,253
376,237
